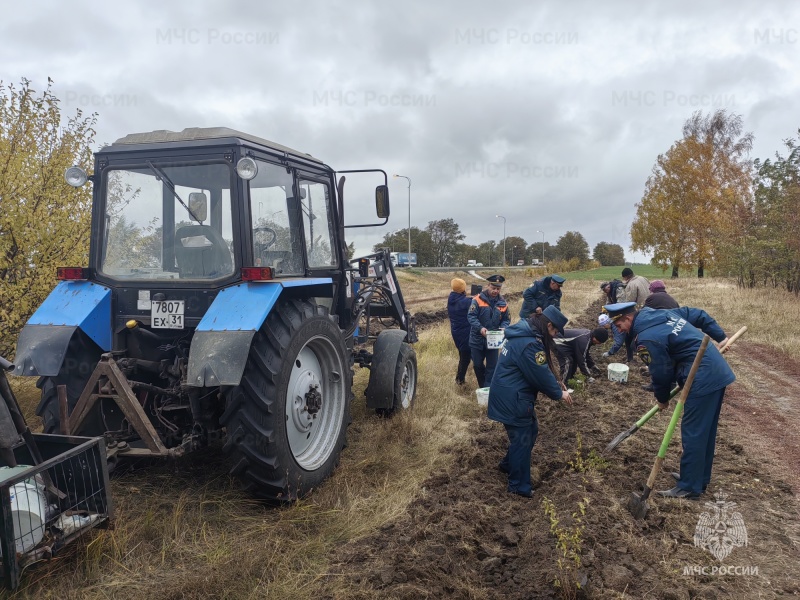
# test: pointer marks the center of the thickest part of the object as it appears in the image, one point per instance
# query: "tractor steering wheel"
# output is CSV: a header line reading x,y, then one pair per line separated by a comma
x,y
261,236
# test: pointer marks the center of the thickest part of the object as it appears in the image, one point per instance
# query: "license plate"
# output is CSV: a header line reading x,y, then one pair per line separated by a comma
x,y
167,314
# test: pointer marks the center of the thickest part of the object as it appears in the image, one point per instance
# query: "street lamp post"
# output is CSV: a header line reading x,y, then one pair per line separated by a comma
x,y
504,237
542,232
409,210
394,233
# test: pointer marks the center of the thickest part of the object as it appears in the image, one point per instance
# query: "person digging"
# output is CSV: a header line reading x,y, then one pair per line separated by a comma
x,y
667,341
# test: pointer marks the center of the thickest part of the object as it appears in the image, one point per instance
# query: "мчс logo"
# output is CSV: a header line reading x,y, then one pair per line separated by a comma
x,y
721,529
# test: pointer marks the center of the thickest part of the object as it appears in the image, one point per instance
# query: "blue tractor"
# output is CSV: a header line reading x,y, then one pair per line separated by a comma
x,y
219,307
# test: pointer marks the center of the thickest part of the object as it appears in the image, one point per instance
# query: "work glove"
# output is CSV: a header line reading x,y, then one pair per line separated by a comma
x,y
605,354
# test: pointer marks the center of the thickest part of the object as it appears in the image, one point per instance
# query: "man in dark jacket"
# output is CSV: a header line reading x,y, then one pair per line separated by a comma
x,y
541,294
614,290
525,369
667,341
659,298
573,351
457,308
611,289
487,312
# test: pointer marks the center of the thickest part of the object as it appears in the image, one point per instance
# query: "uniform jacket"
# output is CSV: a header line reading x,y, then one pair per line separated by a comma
x,y
617,291
539,295
668,340
661,300
488,312
521,373
457,308
574,345
636,290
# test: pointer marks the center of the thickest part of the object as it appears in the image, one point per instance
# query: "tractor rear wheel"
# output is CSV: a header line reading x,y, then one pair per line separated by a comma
x,y
79,363
287,419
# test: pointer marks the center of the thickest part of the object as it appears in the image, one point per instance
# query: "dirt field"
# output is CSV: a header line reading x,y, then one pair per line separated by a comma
x,y
465,537
419,520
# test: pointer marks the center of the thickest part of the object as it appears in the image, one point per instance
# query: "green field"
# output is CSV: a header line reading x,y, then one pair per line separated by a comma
x,y
608,273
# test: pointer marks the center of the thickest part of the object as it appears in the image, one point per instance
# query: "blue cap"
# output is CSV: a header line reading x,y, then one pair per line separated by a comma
x,y
496,280
557,278
556,317
620,309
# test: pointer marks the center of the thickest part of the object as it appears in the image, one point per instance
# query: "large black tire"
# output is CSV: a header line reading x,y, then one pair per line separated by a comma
x,y
79,363
284,438
405,381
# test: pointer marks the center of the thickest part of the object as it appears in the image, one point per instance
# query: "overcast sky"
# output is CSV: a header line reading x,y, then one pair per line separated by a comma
x,y
550,113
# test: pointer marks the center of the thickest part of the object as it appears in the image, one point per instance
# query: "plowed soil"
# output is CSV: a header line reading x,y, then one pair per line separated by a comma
x,y
465,537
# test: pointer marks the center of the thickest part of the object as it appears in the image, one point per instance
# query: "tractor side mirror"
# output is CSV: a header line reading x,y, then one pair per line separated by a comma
x,y
382,201
198,206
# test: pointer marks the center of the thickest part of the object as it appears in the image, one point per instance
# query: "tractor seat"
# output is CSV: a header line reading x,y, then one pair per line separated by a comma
x,y
201,253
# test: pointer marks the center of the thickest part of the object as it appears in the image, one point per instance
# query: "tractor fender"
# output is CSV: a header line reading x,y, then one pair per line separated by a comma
x,y
72,305
221,342
381,387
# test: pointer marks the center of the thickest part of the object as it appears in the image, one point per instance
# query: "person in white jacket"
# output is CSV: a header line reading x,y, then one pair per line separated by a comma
x,y
637,288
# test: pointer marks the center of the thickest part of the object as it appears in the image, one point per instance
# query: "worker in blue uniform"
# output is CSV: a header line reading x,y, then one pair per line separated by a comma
x,y
541,294
458,304
667,341
488,312
526,367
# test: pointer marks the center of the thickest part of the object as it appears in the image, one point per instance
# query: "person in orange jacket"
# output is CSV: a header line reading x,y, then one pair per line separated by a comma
x,y
488,312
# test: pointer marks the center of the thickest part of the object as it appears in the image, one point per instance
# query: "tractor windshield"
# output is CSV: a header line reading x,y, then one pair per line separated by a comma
x,y
167,220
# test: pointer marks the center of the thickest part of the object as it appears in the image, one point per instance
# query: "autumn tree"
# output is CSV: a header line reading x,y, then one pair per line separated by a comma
x,y
516,248
763,246
609,254
44,223
397,241
572,245
464,253
445,236
489,253
535,251
693,193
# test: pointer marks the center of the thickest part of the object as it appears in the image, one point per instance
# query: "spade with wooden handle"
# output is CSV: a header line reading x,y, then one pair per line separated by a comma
x,y
637,504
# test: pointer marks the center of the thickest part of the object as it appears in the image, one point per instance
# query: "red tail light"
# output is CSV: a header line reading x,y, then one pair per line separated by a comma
x,y
257,273
72,273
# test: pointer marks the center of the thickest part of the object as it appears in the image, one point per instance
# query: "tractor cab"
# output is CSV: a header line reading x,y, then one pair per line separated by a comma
x,y
196,206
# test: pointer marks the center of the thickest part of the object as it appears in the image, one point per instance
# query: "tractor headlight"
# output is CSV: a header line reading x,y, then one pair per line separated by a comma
x,y
76,176
247,168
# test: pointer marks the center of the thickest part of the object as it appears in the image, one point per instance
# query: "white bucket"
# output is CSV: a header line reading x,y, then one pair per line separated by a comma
x,y
483,396
618,372
494,339
28,506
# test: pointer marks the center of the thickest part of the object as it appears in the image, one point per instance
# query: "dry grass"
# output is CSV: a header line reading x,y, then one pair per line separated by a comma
x,y
185,531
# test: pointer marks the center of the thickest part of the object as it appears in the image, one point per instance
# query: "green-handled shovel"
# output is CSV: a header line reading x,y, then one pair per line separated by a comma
x,y
637,504
645,418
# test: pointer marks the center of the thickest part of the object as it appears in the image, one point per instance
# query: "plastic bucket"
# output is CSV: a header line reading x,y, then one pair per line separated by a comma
x,y
618,372
483,396
494,339
28,506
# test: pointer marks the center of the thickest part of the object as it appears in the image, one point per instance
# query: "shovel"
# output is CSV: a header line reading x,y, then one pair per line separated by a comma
x,y
645,418
637,504
732,339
